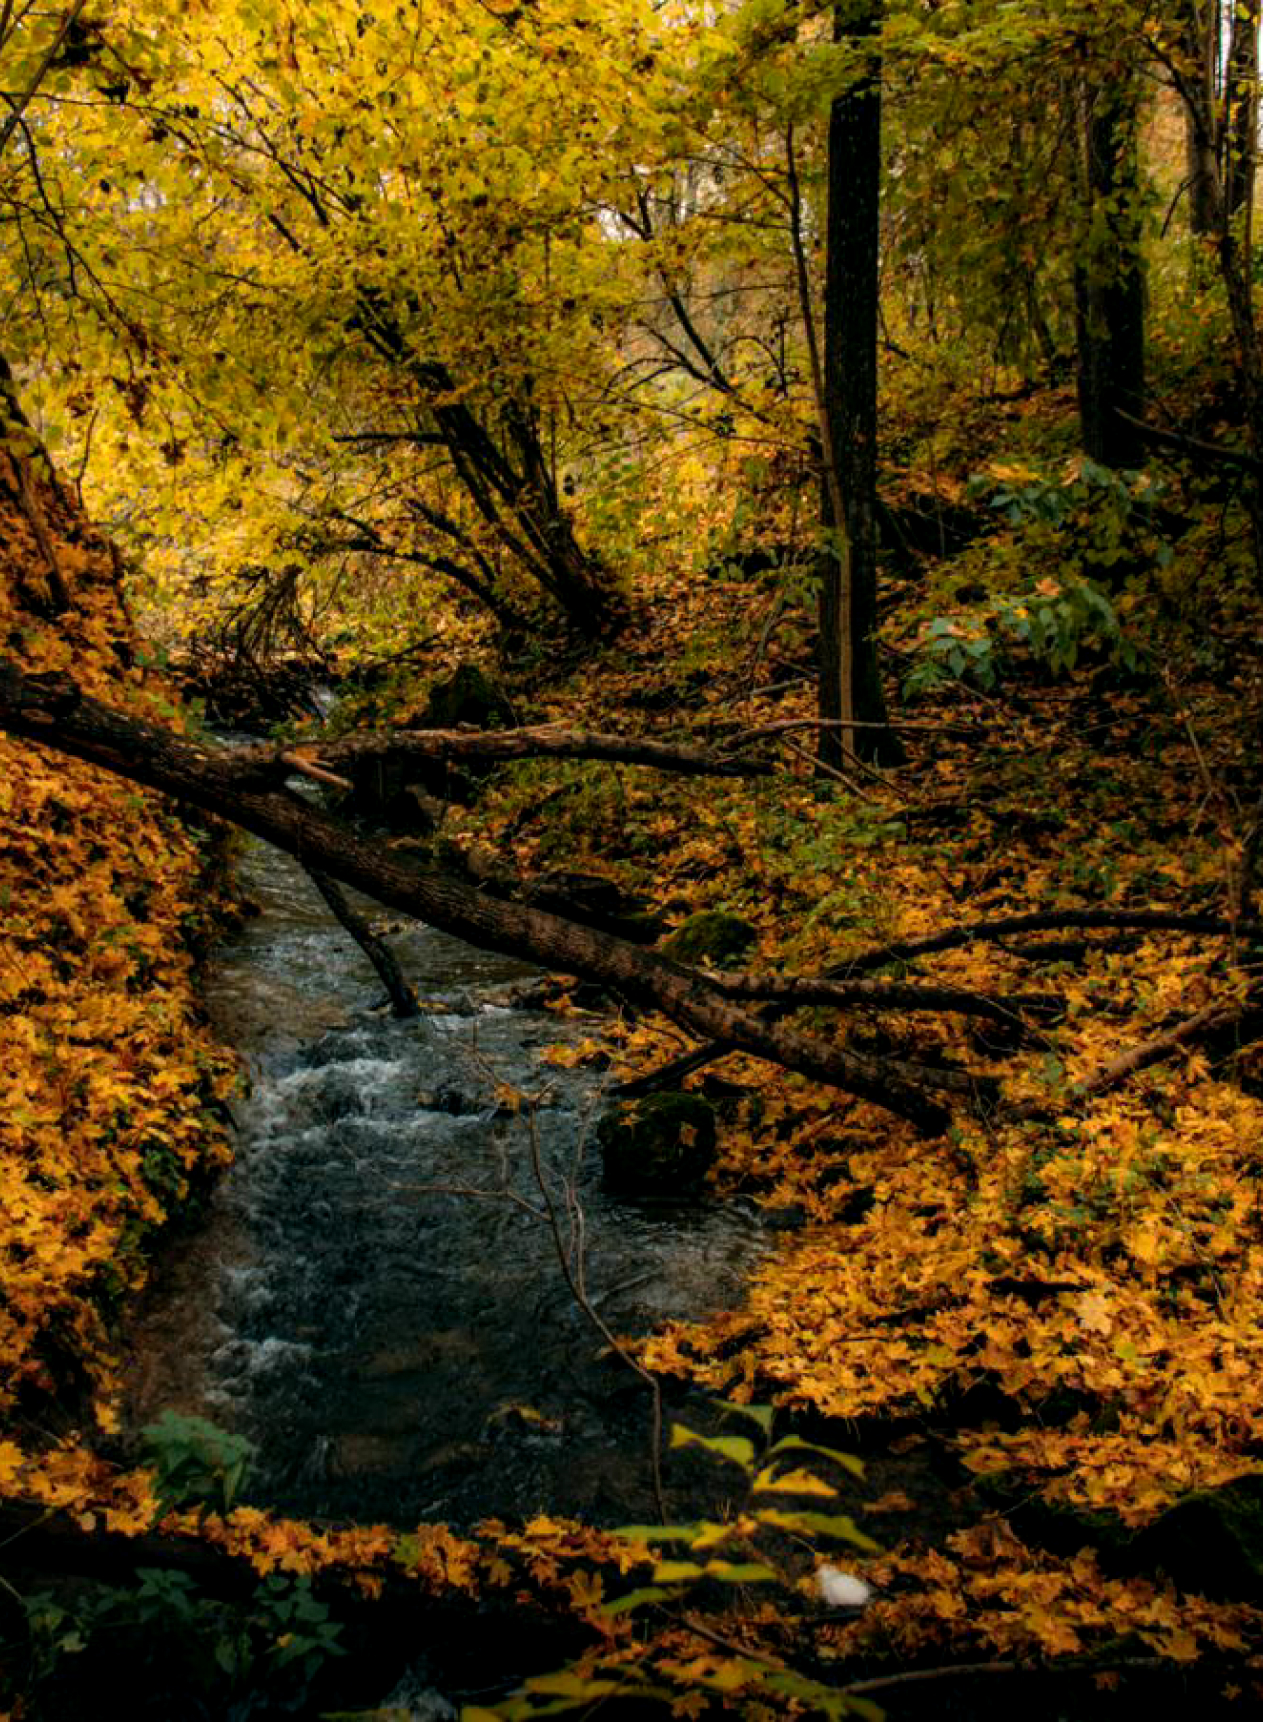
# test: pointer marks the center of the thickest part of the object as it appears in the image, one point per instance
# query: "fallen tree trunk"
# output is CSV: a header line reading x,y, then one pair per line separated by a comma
x,y
52,710
794,991
485,747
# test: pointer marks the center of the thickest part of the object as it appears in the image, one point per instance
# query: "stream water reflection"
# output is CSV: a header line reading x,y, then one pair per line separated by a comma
x,y
395,1349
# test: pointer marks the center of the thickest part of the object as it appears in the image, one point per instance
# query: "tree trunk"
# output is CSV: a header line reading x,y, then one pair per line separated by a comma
x,y
511,486
403,1001
848,590
1234,238
1202,131
1241,138
1109,276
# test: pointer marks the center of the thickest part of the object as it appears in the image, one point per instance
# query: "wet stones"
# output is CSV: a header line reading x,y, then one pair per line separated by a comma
x,y
467,696
661,1145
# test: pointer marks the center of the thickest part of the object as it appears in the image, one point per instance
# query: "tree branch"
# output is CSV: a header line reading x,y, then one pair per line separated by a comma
x,y
1140,920
20,105
1200,1026
403,1000
260,764
796,990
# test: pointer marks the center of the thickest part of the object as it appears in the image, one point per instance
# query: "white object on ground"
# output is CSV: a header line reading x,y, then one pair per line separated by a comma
x,y
842,1590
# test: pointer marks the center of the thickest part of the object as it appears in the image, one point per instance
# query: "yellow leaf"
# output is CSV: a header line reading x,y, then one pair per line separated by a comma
x,y
796,1482
1094,1313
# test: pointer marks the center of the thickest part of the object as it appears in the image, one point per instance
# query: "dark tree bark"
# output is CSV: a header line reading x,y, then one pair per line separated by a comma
x,y
1218,83
848,620
507,478
52,710
1232,128
1202,41
489,747
1241,139
1109,275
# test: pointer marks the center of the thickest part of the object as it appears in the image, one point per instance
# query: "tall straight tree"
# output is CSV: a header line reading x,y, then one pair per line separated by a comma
x,y
850,683
1218,58
1231,168
1243,108
1109,273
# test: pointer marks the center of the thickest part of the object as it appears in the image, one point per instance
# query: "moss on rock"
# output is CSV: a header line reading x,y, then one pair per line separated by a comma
x,y
662,1145
712,936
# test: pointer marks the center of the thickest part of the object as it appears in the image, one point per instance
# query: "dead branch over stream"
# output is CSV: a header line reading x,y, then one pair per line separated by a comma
x,y
842,985
486,747
247,787
52,710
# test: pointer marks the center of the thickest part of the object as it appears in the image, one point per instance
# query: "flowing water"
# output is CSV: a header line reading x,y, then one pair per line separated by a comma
x,y
374,1299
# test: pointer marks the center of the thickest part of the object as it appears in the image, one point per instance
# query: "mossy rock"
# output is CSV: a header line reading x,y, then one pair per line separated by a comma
x,y
662,1145
1211,1542
713,937
467,696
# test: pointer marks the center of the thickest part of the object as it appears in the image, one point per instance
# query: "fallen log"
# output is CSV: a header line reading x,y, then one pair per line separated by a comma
x,y
53,711
261,764
800,990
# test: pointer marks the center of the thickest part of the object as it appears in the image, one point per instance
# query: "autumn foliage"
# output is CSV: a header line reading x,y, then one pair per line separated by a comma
x,y
110,1076
385,339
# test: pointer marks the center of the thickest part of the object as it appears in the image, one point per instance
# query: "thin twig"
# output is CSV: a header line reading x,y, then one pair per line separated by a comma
x,y
841,546
574,1272
41,72
952,1671
826,770
1153,1051
745,737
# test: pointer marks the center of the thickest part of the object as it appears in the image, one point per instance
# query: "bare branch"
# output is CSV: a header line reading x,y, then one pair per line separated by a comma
x,y
488,747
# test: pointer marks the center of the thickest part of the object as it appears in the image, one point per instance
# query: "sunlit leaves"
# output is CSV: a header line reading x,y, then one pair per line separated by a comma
x,y
108,1073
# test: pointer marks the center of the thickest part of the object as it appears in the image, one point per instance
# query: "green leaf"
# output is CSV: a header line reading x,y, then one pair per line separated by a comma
x,y
760,1414
740,1572
734,1447
795,1444
636,1599
659,1533
823,1700
567,1684
839,1525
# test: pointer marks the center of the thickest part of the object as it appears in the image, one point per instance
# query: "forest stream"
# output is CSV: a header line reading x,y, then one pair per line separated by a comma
x,y
394,1348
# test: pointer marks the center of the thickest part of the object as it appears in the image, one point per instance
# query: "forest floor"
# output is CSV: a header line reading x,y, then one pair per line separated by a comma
x,y
1041,1330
